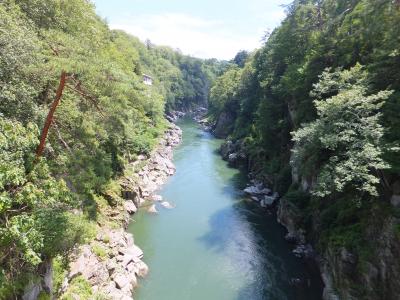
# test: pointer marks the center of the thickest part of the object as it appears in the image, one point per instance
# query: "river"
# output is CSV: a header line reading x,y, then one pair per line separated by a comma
x,y
215,245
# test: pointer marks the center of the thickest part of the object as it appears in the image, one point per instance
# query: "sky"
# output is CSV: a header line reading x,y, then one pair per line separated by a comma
x,y
205,29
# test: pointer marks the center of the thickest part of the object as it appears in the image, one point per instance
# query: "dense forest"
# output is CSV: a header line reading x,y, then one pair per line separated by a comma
x,y
61,66
315,113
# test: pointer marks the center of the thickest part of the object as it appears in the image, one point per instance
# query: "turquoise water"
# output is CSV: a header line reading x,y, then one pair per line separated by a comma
x,y
214,245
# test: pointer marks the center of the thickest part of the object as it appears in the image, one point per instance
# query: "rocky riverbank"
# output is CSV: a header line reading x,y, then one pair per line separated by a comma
x,y
112,262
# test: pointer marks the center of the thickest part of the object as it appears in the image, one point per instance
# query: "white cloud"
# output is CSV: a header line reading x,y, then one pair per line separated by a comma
x,y
193,35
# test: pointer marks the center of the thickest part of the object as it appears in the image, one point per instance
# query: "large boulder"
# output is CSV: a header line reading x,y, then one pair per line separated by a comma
x,y
121,281
226,149
130,207
141,269
224,125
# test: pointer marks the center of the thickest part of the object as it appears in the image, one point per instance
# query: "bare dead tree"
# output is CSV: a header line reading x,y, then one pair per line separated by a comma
x,y
50,115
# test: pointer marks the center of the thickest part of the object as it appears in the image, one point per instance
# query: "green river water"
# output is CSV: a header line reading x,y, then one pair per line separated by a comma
x,y
215,245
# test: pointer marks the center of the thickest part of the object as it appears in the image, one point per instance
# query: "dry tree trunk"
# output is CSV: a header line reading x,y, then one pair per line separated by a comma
x,y
50,115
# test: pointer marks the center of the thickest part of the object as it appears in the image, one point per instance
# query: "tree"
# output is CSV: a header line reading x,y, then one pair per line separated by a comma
x,y
240,58
35,222
344,144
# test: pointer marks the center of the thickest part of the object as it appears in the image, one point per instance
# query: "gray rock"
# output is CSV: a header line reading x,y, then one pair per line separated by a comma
x,y
167,205
141,269
135,251
232,157
131,267
304,251
121,281
129,195
32,292
157,198
224,125
127,259
120,258
77,267
129,239
130,207
111,266
256,190
395,200
270,200
152,209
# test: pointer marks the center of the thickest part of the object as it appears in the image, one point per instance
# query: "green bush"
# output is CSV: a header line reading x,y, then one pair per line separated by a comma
x,y
80,287
100,251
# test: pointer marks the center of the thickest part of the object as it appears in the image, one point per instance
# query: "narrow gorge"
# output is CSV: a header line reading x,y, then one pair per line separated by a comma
x,y
130,169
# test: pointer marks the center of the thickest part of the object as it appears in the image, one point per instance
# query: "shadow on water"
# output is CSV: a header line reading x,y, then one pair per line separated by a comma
x,y
256,242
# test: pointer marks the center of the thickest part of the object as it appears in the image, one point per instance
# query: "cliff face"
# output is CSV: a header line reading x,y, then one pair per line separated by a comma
x,y
376,277
372,273
224,125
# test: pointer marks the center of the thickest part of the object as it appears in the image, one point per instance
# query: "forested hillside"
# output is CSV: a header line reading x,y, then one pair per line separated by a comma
x,y
316,113
61,63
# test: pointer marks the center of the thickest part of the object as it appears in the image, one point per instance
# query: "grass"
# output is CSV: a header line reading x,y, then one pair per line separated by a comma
x,y
80,287
100,251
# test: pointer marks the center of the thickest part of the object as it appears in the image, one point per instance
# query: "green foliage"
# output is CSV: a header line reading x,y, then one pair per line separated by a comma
x,y
299,198
273,99
345,142
35,218
44,296
99,251
60,271
223,94
106,117
78,287
240,58
29,195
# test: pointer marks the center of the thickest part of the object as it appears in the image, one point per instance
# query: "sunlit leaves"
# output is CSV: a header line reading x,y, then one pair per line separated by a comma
x,y
25,190
345,141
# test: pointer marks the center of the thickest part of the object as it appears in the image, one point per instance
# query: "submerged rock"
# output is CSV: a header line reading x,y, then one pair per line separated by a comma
x,y
167,205
152,209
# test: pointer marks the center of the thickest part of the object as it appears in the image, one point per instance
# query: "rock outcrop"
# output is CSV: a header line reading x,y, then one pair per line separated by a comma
x,y
224,125
174,116
234,153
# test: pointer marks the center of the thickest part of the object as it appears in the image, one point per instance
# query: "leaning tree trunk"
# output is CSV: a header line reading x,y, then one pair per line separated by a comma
x,y
50,115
